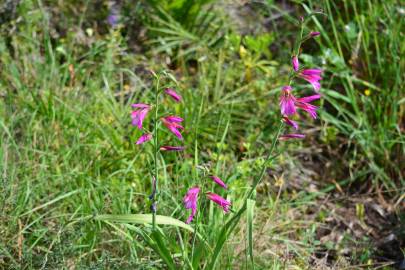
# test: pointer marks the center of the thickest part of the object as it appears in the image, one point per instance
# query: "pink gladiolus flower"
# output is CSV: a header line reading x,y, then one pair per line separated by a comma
x,y
295,63
290,122
140,105
219,200
173,94
291,136
218,180
138,115
313,76
289,104
287,101
172,123
171,148
190,202
144,138
174,119
303,103
314,34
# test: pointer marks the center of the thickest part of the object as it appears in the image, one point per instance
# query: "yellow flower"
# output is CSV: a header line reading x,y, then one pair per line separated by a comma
x,y
367,92
242,52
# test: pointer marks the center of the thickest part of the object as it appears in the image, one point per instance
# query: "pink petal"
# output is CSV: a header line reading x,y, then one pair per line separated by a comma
x,y
191,216
141,117
219,200
144,138
140,105
309,98
135,118
312,72
173,94
171,148
287,100
175,125
175,132
291,136
217,180
311,109
287,107
295,63
190,202
170,123
290,122
316,85
313,76
174,119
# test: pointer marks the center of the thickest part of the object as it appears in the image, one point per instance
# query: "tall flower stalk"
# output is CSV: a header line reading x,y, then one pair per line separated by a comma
x,y
170,121
289,107
155,181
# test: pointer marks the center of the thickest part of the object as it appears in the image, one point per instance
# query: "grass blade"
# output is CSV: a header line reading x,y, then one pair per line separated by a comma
x,y
160,247
61,197
250,205
145,219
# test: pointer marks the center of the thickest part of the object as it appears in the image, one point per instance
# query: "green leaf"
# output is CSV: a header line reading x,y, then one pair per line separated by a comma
x,y
250,205
160,247
145,219
199,253
223,235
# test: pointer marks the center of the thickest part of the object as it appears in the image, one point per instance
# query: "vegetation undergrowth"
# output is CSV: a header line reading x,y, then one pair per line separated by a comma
x,y
74,181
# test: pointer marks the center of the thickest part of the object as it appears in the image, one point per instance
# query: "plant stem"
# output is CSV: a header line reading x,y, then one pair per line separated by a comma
x,y
155,133
232,222
268,158
196,175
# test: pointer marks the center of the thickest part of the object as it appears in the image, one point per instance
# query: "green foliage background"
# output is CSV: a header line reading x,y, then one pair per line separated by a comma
x,y
67,79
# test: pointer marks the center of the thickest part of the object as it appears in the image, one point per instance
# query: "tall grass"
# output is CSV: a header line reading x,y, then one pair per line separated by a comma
x,y
363,48
68,156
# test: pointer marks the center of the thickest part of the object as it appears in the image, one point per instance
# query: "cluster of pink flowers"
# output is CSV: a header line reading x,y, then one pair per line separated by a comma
x,y
290,104
171,122
191,198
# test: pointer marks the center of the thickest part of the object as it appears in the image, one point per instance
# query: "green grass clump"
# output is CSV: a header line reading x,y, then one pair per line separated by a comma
x,y
70,166
362,46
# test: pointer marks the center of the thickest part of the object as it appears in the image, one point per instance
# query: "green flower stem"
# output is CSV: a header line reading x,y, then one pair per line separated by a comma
x,y
156,149
265,165
232,222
